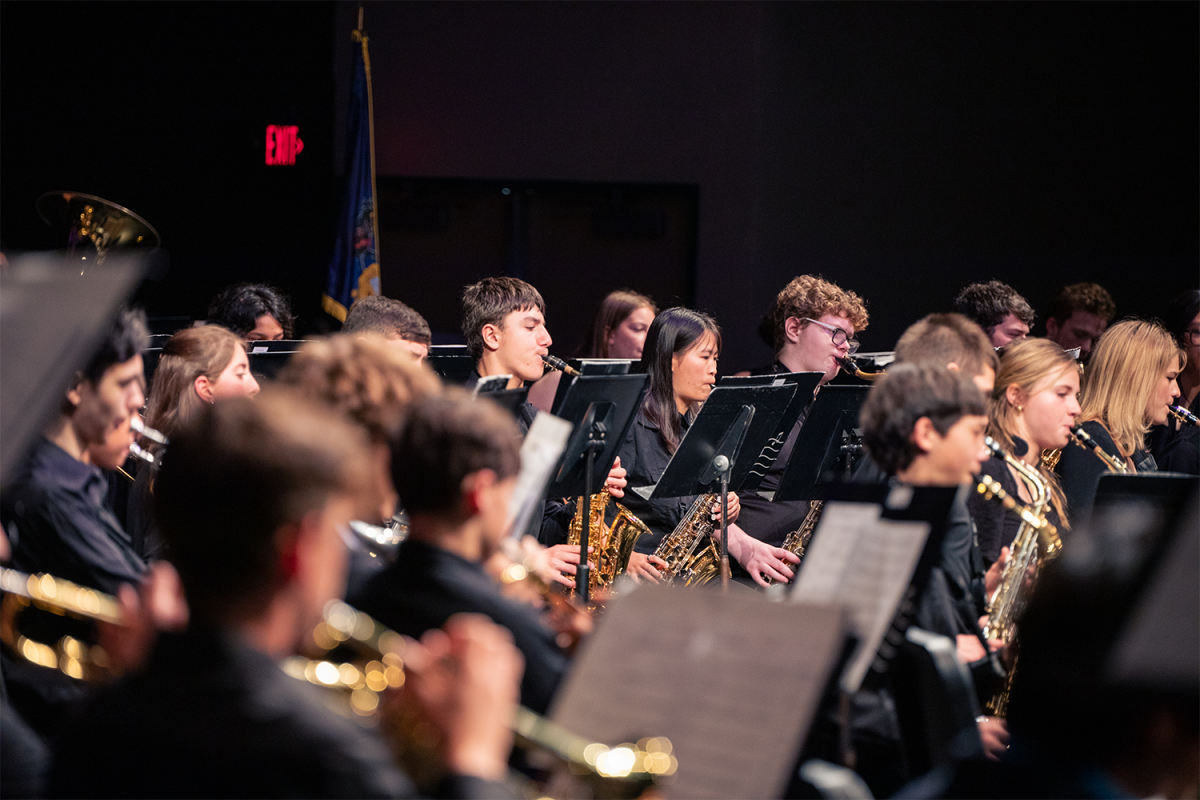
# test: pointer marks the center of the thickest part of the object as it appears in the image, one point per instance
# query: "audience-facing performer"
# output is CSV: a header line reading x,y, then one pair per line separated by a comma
x,y
197,366
399,325
252,500
254,311
924,426
681,358
1176,446
1131,382
996,307
455,467
1032,408
815,322
1078,316
619,329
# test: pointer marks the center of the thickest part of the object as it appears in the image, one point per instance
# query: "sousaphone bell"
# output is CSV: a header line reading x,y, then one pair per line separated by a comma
x,y
94,226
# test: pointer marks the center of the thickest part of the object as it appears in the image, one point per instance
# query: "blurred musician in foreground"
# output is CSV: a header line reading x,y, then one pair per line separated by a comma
x,y
254,311
455,467
951,341
1131,381
925,427
197,366
815,323
252,499
399,325
372,385
1078,316
1004,315
1032,408
681,358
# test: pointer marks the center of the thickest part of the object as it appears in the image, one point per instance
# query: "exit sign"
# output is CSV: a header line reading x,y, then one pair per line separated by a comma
x,y
283,145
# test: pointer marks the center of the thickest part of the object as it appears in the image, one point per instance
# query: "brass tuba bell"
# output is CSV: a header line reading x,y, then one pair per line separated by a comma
x,y
93,226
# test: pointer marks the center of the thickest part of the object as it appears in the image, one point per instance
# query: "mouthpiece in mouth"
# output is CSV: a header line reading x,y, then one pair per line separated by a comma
x,y
553,362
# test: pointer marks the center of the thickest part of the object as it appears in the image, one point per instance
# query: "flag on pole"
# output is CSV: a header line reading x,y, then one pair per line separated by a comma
x,y
354,267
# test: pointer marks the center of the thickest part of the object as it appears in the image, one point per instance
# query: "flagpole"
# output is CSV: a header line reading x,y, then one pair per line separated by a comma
x,y
362,37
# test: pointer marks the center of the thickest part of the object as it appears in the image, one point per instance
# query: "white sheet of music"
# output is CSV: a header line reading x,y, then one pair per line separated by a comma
x,y
733,682
543,445
864,563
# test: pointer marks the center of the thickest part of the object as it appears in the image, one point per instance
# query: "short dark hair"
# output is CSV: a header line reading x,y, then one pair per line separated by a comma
x,y
1180,312
125,338
489,301
238,308
904,395
674,331
233,475
988,303
387,317
1089,297
940,339
449,436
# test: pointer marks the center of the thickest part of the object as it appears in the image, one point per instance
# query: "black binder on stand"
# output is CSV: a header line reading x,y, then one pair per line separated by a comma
x,y
602,408
722,445
806,384
828,445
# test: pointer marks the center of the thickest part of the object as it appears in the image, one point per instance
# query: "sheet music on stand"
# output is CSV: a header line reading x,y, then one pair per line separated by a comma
x,y
540,452
733,681
863,562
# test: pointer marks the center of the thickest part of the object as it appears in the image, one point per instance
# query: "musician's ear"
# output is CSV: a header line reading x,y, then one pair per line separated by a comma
x,y
287,546
475,490
490,333
924,435
1015,396
792,327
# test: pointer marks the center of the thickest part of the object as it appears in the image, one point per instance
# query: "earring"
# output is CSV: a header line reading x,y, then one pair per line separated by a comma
x,y
1020,408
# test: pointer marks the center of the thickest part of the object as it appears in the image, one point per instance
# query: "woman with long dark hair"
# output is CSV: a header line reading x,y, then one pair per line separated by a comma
x,y
680,356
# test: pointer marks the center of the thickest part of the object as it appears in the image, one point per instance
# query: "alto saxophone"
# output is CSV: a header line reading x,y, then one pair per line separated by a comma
x,y
797,541
690,551
1009,598
612,545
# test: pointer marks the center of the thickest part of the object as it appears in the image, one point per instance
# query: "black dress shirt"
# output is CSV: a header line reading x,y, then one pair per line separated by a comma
x,y
1079,470
427,585
644,456
58,521
212,717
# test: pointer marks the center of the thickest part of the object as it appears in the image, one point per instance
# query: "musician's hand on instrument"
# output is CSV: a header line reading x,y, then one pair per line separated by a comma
x,y
760,559
465,679
615,483
559,559
995,573
993,731
969,648
735,508
644,566
156,605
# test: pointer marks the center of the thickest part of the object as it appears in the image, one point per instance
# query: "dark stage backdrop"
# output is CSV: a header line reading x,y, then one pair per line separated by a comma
x,y
899,149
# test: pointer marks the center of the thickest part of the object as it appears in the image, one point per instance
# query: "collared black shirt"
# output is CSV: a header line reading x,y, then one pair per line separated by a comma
x,y
58,521
212,717
644,456
427,585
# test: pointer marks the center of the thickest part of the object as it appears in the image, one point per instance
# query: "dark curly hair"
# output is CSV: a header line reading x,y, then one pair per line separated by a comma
x,y
238,308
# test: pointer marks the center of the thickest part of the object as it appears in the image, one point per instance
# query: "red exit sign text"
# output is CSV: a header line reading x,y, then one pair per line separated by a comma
x,y
283,145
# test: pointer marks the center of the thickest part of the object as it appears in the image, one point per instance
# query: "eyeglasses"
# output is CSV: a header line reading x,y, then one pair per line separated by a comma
x,y
1192,335
840,337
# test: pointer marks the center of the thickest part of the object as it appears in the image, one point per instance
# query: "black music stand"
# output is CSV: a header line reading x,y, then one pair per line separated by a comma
x,y
589,366
602,408
806,384
453,362
733,423
829,435
267,358
510,400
